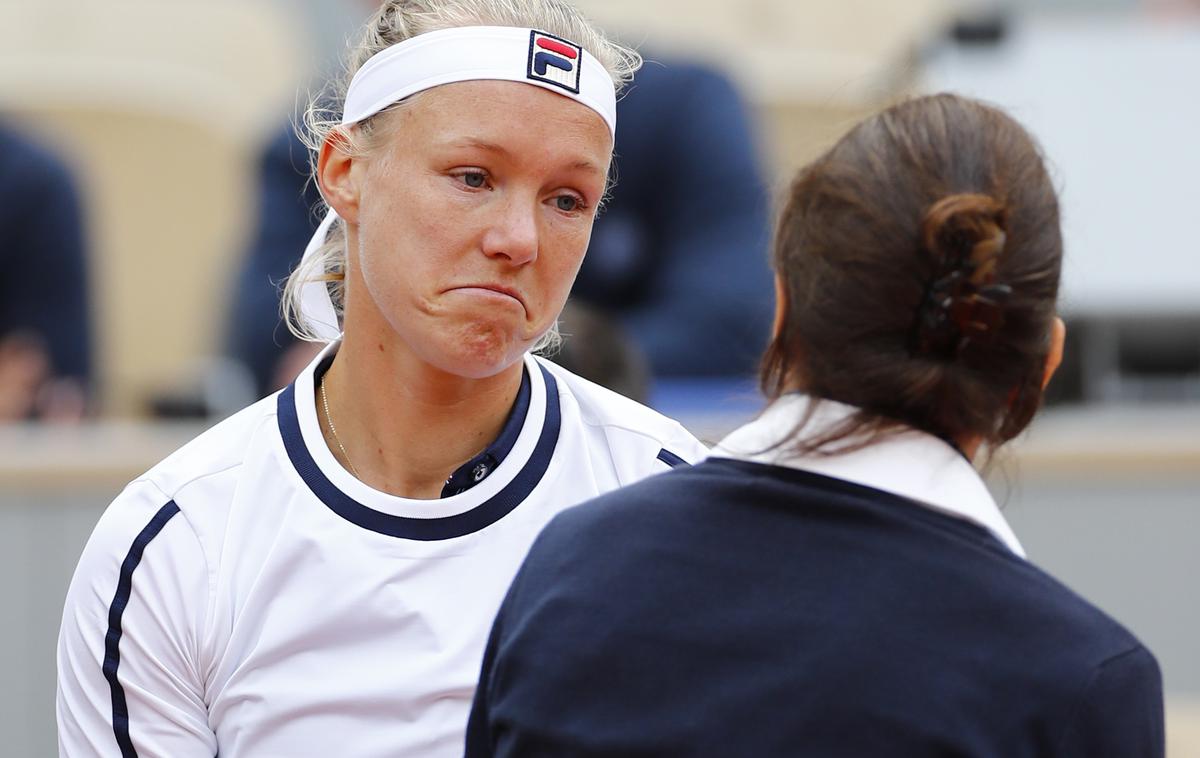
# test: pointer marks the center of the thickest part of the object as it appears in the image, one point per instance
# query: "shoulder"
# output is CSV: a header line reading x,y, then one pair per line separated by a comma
x,y
219,451
1084,638
659,505
185,499
683,79
712,502
622,421
677,507
1119,711
39,170
24,152
201,480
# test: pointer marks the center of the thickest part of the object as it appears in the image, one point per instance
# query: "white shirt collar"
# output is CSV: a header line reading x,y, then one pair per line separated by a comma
x,y
911,464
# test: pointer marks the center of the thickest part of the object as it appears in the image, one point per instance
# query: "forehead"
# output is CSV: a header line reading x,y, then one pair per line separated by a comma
x,y
522,118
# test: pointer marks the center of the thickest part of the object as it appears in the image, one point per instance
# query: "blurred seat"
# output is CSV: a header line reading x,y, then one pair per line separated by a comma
x,y
813,67
161,107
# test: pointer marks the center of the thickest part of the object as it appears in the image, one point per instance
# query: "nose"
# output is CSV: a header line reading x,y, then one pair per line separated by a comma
x,y
513,232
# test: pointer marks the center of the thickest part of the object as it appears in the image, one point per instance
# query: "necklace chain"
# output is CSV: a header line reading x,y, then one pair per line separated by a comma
x,y
333,429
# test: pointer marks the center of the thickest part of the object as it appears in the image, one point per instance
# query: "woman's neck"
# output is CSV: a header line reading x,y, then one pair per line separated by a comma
x,y
403,425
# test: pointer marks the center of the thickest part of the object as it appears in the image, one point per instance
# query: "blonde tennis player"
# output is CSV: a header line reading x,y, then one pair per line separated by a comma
x,y
317,574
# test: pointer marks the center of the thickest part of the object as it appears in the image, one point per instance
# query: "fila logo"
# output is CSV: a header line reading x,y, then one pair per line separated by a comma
x,y
554,60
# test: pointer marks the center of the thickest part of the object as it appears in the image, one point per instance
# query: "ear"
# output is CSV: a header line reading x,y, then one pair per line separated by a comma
x,y
1058,337
337,178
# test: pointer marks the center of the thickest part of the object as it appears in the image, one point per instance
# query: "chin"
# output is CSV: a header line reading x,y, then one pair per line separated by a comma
x,y
479,352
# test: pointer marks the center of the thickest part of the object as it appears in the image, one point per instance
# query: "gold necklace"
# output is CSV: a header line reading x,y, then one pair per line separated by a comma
x,y
333,430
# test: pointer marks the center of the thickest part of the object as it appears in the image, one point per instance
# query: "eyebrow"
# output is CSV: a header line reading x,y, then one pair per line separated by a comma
x,y
478,144
492,147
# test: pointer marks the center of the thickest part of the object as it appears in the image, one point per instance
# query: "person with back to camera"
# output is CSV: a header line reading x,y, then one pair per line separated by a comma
x,y
316,575
836,580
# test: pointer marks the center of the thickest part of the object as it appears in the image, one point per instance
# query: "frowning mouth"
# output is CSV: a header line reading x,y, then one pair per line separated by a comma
x,y
496,291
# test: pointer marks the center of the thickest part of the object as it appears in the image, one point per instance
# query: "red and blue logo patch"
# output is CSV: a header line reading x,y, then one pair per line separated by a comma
x,y
554,60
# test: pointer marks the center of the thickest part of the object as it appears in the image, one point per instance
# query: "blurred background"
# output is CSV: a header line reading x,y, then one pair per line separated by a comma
x,y
151,201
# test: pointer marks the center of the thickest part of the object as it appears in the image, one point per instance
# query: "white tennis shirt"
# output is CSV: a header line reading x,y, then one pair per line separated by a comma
x,y
250,597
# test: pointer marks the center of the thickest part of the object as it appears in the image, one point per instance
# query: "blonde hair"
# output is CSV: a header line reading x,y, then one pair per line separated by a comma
x,y
396,21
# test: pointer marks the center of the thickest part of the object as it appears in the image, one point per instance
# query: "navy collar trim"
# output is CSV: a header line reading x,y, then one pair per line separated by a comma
x,y
482,465
426,529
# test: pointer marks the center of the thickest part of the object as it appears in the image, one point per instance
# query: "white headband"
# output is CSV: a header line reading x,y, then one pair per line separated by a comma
x,y
468,53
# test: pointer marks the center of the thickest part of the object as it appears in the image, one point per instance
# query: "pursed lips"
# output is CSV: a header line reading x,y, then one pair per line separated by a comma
x,y
498,289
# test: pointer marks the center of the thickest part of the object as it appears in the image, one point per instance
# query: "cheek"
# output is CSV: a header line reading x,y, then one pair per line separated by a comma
x,y
382,262
402,246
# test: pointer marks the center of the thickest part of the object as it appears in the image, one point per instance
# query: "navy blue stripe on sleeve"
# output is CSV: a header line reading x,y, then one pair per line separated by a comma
x,y
112,641
672,460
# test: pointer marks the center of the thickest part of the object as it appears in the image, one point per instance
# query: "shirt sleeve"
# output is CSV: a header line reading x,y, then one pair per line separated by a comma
x,y
1121,711
129,681
683,446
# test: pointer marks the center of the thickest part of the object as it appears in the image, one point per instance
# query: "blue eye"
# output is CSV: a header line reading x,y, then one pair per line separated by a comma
x,y
474,180
567,203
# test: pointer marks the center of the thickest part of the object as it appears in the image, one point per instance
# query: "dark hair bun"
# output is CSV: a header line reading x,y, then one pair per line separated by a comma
x,y
966,227
963,305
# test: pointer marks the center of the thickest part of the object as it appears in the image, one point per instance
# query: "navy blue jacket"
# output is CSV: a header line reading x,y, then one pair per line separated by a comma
x,y
44,289
678,254
739,609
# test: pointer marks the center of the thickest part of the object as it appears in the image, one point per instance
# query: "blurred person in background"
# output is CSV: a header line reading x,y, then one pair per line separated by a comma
x,y
45,346
316,575
596,347
836,580
677,257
